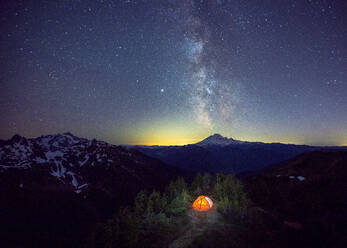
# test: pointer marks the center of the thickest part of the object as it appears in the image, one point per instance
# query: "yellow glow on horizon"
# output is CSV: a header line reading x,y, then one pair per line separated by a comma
x,y
169,141
171,135
344,141
171,132
165,133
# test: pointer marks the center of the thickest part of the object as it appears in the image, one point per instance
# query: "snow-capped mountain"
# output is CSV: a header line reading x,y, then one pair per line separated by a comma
x,y
73,161
61,182
217,139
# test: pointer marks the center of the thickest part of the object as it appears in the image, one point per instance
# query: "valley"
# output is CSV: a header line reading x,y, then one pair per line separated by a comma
x,y
58,181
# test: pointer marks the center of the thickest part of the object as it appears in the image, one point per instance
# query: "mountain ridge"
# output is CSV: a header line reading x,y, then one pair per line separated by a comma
x,y
227,155
67,158
54,189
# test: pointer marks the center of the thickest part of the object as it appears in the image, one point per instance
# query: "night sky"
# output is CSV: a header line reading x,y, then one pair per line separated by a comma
x,y
175,71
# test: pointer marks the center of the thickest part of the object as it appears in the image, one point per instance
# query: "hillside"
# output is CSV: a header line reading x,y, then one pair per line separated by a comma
x,y
300,203
308,194
56,188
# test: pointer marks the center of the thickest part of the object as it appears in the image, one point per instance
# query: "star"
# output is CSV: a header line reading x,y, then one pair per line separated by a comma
x,y
219,66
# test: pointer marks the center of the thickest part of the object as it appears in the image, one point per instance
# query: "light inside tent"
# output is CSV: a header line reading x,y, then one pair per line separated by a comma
x,y
203,203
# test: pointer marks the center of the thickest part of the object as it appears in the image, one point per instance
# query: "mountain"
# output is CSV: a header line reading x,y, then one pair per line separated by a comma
x,y
217,139
55,188
308,194
220,154
69,160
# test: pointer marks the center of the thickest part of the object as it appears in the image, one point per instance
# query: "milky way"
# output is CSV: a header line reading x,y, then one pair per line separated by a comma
x,y
211,99
175,71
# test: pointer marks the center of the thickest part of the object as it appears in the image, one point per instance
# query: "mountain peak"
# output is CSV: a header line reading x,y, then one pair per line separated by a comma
x,y
217,139
66,139
217,135
16,138
69,134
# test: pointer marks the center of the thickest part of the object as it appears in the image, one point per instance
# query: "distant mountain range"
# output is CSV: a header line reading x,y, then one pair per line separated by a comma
x,y
220,154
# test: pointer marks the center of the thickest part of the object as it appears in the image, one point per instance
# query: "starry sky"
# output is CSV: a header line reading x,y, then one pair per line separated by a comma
x,y
175,71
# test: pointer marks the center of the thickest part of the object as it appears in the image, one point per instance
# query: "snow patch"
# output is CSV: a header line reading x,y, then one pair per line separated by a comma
x,y
52,155
83,186
79,189
60,172
98,158
85,160
45,142
40,160
300,178
74,180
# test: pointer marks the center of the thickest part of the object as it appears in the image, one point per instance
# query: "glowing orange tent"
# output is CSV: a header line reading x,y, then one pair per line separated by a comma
x,y
203,203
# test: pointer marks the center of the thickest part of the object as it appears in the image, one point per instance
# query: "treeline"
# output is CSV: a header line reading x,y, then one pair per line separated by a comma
x,y
156,217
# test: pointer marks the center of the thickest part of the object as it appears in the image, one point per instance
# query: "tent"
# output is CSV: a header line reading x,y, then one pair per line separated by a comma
x,y
203,203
